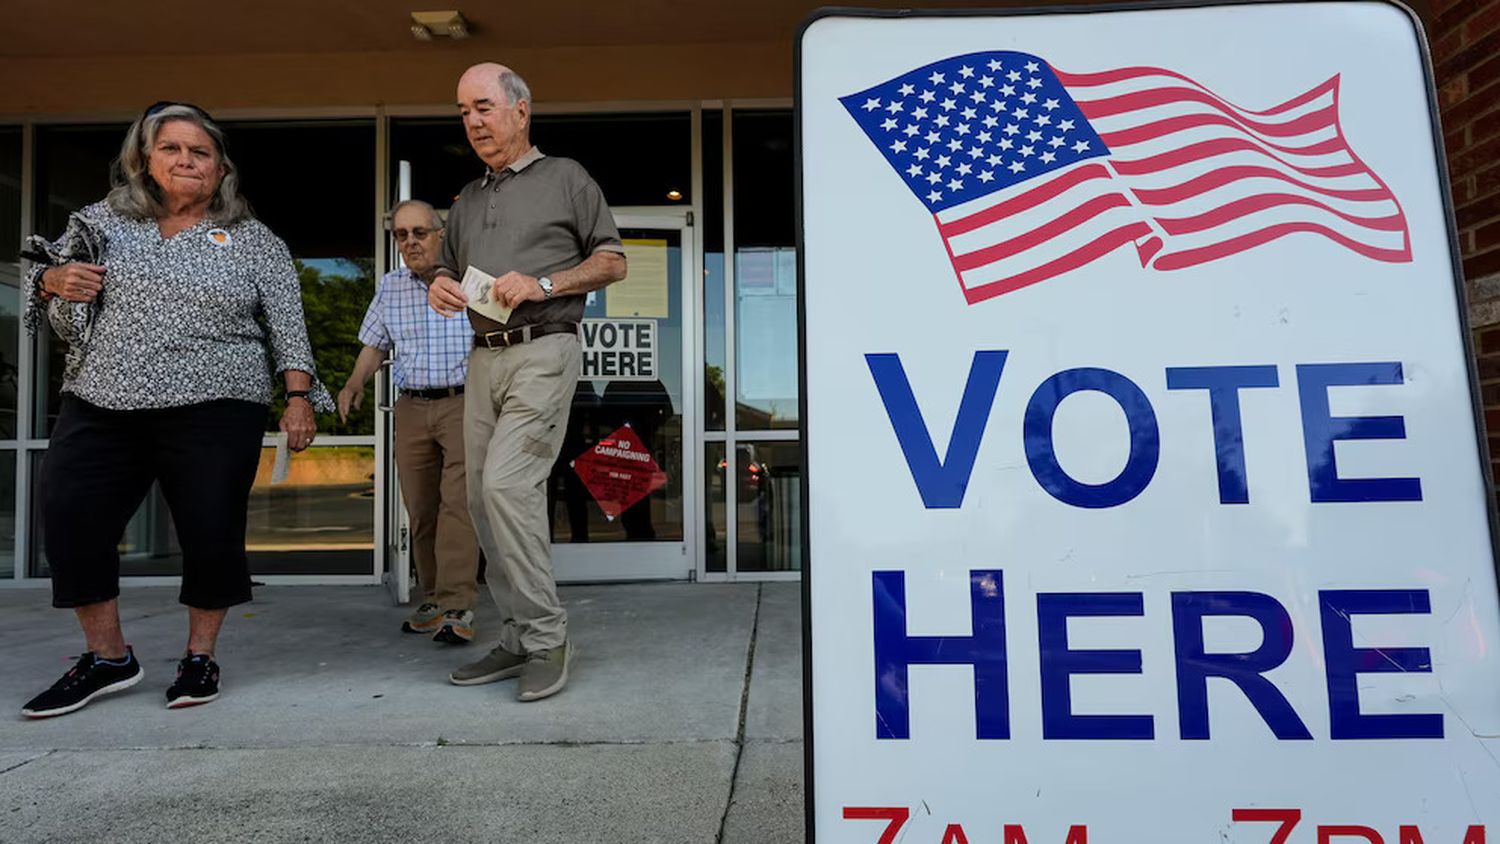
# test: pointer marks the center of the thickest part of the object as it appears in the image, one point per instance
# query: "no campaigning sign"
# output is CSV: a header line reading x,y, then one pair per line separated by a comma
x,y
619,471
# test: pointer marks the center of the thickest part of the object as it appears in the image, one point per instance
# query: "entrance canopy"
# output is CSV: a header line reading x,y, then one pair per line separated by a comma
x,y
78,58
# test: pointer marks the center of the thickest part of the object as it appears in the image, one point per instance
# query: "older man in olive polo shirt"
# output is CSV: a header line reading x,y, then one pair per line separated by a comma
x,y
541,226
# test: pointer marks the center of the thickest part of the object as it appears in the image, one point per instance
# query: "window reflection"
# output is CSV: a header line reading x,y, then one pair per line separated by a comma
x,y
72,171
714,348
650,406
329,231
147,547
320,520
335,294
10,277
310,183
715,531
637,159
765,281
7,513
768,506
765,271
768,502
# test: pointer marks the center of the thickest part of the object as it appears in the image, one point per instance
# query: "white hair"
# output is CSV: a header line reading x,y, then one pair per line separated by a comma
x,y
133,193
515,88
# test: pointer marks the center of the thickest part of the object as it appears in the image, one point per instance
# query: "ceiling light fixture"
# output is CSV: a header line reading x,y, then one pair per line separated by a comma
x,y
447,24
674,195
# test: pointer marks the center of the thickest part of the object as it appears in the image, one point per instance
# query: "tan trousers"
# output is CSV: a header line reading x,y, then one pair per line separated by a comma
x,y
515,415
430,459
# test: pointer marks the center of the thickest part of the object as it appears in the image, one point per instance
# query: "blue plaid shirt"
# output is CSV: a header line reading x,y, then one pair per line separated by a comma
x,y
431,350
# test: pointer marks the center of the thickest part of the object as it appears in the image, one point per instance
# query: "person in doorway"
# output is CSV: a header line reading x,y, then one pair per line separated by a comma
x,y
564,485
431,359
177,316
645,406
540,225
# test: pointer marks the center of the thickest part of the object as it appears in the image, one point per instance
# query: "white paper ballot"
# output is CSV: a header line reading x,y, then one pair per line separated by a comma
x,y
478,285
283,459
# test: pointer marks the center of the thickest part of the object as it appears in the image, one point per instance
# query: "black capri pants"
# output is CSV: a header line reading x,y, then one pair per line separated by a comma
x,y
100,465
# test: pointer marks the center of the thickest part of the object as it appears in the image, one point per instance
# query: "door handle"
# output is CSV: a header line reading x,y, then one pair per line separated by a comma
x,y
383,387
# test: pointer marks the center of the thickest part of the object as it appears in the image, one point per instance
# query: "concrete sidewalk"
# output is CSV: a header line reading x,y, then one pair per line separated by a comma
x,y
682,723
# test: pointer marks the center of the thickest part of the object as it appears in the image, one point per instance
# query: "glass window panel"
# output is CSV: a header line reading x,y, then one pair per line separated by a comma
x,y
147,547
637,159
652,408
714,349
72,170
320,520
768,506
10,276
7,513
716,538
36,561
765,271
330,232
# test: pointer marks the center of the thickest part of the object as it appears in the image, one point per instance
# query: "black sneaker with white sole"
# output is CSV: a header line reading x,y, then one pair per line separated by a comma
x,y
197,682
90,677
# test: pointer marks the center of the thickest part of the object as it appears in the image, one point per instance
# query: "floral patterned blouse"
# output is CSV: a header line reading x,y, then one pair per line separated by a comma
x,y
204,314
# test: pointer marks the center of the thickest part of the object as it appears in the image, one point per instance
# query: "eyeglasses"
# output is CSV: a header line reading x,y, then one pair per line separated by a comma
x,y
161,105
419,234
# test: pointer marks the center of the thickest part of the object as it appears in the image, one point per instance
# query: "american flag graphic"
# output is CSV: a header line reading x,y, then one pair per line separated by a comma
x,y
1031,172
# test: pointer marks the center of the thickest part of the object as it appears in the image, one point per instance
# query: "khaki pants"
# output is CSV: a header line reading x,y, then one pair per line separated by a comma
x,y
515,415
430,457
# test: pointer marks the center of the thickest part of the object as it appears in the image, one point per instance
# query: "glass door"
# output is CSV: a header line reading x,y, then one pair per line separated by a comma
x,y
624,491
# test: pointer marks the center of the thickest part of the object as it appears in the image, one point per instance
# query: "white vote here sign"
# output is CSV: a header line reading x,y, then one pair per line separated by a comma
x,y
1145,491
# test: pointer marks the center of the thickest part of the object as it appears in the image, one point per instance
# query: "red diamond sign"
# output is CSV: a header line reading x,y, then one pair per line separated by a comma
x,y
619,471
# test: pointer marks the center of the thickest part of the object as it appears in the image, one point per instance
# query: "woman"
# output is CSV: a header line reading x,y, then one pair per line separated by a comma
x,y
184,304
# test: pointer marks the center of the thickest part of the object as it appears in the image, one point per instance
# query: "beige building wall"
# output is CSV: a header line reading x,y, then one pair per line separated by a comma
x,y
125,84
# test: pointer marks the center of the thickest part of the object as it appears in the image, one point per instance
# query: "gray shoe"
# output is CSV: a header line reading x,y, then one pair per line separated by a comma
x,y
546,672
498,664
424,619
458,628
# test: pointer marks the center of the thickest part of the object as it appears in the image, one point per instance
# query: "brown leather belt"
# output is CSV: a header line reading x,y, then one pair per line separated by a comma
x,y
516,336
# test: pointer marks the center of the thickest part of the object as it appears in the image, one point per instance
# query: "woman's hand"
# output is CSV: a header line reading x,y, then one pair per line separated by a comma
x,y
75,282
299,424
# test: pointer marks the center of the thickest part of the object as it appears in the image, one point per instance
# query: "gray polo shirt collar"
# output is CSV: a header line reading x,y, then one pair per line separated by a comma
x,y
530,157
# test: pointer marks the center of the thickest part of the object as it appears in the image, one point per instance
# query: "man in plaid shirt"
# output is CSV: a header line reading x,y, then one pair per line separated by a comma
x,y
431,361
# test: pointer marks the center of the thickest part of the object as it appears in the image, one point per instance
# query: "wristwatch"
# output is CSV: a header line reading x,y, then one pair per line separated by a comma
x,y
546,285
299,394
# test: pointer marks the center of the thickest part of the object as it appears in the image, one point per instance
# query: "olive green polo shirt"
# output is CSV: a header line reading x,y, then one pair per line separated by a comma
x,y
536,216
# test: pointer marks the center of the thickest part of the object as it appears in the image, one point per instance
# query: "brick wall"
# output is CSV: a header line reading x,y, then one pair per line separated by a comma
x,y
1466,59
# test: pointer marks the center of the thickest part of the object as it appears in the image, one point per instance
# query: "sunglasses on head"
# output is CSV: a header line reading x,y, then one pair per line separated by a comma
x,y
161,105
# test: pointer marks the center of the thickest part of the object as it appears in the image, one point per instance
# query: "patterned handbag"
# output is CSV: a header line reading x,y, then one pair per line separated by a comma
x,y
71,321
